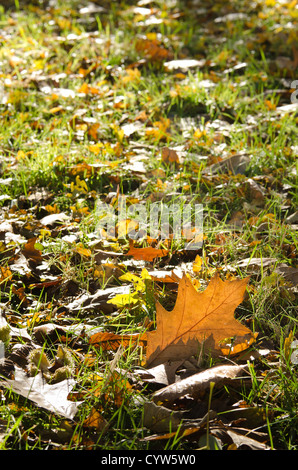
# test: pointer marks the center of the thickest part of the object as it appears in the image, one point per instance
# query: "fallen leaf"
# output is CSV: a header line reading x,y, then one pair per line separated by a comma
x,y
152,50
238,441
169,155
51,397
54,219
131,128
259,262
30,252
199,318
184,64
289,274
197,264
5,274
236,164
96,421
124,300
86,252
49,332
147,253
196,385
162,374
112,341
173,276
98,301
293,218
161,419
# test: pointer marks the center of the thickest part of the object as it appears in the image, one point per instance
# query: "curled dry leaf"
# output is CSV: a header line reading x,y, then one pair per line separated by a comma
x,y
196,385
240,439
161,419
172,276
184,64
162,374
49,332
256,262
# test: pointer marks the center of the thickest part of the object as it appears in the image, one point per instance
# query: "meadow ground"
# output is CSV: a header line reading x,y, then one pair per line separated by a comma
x,y
181,102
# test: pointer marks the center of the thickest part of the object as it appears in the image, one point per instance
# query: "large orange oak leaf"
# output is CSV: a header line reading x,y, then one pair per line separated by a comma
x,y
199,319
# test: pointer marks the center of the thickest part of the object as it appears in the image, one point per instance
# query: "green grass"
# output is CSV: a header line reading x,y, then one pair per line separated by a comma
x,y
49,141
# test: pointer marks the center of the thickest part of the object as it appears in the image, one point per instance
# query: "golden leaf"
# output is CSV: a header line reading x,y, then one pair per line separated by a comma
x,y
199,318
111,341
147,254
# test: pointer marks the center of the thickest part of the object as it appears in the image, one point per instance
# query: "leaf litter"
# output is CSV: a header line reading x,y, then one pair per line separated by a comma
x,y
66,293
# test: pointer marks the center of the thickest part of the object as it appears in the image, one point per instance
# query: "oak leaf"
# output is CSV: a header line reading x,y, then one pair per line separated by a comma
x,y
111,341
199,319
146,254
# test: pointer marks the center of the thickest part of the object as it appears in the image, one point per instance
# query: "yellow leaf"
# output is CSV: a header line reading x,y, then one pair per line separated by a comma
x,y
125,226
21,155
5,274
145,274
198,134
139,284
81,184
122,300
287,345
84,88
55,110
96,148
118,132
197,264
132,75
83,251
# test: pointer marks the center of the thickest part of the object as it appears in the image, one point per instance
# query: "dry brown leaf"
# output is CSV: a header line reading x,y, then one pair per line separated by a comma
x,y
239,439
160,419
162,374
152,50
30,252
199,318
196,385
169,155
52,397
